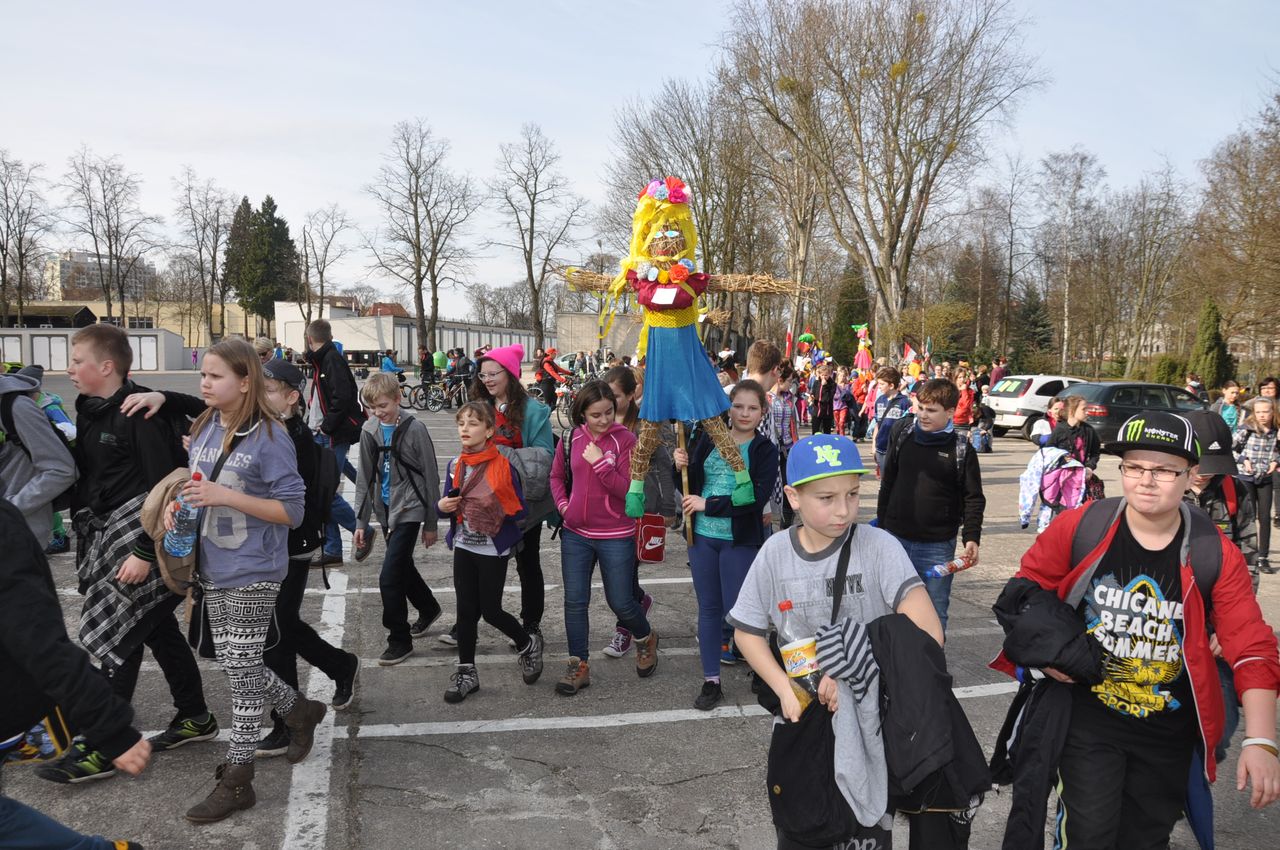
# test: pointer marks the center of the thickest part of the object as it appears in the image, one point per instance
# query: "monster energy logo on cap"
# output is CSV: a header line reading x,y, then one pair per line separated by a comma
x,y
1158,431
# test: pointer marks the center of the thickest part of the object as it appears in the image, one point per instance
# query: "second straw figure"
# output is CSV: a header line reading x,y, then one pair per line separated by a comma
x,y
680,382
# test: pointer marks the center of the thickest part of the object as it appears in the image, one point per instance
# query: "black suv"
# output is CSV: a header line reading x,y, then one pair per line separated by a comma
x,y
1108,405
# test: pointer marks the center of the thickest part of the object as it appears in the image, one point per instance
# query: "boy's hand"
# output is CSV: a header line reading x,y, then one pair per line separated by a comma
x,y
790,707
449,504
134,760
1058,675
429,538
692,504
357,538
971,552
1214,646
151,402
205,493
134,570
829,693
1263,772
592,453
169,511
681,458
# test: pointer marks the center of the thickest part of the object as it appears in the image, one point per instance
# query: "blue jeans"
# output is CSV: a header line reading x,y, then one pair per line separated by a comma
x,y
926,554
719,568
23,827
341,514
1231,705
617,559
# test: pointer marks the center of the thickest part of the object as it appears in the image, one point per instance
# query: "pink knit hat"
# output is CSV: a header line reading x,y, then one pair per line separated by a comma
x,y
509,357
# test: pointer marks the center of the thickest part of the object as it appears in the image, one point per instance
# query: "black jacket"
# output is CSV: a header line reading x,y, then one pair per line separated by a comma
x,y
1043,631
934,758
762,462
1064,437
335,389
936,499
39,665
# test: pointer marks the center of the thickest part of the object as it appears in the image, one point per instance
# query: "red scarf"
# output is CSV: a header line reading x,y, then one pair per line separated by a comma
x,y
497,474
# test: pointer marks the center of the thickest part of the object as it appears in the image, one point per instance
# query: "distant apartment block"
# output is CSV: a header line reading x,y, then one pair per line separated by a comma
x,y
77,276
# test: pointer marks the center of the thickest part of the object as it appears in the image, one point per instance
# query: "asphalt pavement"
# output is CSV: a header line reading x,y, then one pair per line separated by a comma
x,y
627,763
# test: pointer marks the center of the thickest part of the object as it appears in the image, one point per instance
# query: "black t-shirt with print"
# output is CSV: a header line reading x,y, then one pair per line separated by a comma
x,y
1133,607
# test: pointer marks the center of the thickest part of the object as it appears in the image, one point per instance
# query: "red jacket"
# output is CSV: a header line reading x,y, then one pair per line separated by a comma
x,y
964,408
1248,643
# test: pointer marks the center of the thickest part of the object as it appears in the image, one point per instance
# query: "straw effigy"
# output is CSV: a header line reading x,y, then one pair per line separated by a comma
x,y
759,284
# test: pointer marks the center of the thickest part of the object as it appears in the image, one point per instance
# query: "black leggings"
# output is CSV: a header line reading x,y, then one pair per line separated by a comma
x,y
158,631
1264,491
290,636
478,581
533,593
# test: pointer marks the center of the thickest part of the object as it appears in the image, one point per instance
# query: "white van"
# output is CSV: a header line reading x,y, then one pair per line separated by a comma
x,y
1019,400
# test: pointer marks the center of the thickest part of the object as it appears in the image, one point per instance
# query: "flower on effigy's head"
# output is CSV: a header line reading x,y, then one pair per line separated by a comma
x,y
687,263
642,270
677,191
661,193
652,189
663,276
652,274
678,273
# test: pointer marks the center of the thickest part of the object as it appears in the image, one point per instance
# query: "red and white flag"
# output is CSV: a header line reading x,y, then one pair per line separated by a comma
x,y
908,353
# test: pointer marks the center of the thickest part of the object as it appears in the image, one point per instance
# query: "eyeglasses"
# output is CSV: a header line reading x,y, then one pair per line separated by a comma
x,y
1158,473
490,376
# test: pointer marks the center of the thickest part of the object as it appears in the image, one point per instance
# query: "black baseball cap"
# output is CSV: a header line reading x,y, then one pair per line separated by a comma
x,y
1214,436
1157,431
282,370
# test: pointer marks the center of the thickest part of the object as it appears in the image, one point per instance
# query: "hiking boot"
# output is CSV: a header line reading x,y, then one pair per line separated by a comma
x,y
463,683
233,793
530,659
647,655
424,622
185,731
710,697
275,744
394,654
362,551
302,723
80,764
450,637
344,690
576,677
620,643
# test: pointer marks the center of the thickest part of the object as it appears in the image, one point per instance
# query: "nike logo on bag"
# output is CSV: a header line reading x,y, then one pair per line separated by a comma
x,y
652,543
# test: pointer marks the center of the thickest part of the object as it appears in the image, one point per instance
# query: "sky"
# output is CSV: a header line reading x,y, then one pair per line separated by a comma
x,y
298,100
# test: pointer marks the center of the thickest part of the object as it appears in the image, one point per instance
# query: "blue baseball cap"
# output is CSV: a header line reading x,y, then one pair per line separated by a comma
x,y
822,456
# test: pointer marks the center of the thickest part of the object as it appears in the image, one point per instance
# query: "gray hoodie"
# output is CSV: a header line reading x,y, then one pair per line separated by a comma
x,y
34,474
413,446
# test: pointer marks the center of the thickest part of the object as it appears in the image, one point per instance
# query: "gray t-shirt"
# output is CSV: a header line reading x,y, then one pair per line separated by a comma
x,y
880,575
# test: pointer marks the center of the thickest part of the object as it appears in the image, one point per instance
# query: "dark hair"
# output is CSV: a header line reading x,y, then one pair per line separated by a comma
x,y
591,393
889,375
939,391
517,395
108,342
480,410
747,385
624,377
1269,380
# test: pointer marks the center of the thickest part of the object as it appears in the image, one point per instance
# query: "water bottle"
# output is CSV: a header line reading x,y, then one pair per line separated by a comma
x,y
799,655
186,524
955,565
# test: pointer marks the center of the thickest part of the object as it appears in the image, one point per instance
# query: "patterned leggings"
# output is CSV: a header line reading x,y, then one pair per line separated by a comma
x,y
238,618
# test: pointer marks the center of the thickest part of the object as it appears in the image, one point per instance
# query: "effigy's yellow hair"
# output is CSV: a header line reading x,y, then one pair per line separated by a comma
x,y
652,216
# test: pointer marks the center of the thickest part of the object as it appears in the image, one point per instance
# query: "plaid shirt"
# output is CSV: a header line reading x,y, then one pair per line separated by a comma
x,y
111,608
1260,449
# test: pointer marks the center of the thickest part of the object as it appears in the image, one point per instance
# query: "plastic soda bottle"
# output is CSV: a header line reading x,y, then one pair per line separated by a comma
x,y
799,655
186,525
955,565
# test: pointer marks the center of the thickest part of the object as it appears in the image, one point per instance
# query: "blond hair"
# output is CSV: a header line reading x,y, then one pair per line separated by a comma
x,y
254,406
380,385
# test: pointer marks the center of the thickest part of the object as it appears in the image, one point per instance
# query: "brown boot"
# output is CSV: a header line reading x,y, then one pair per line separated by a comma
x,y
233,792
576,677
647,655
302,723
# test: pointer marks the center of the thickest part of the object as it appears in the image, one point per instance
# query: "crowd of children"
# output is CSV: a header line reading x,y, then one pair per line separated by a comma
x,y
263,468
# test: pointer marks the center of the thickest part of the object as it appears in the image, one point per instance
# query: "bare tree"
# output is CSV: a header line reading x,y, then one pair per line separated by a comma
x,y
103,206
321,248
543,213
184,287
24,222
1068,185
204,213
424,208
891,100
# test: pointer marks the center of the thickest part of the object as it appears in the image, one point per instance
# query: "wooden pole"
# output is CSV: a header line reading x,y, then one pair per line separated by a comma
x,y
684,481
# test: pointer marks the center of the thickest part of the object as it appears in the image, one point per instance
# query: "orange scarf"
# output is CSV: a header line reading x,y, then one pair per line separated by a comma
x,y
497,474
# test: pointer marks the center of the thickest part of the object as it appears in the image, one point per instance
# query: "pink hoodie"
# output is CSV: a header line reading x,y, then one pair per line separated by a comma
x,y
595,503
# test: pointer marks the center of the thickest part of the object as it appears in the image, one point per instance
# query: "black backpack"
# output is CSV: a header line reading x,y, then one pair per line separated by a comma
x,y
318,502
63,500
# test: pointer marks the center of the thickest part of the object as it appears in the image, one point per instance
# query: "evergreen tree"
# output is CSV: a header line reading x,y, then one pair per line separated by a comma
x,y
1032,336
852,308
270,270
235,262
1210,357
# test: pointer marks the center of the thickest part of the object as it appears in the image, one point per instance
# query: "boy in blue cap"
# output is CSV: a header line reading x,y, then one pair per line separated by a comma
x,y
824,474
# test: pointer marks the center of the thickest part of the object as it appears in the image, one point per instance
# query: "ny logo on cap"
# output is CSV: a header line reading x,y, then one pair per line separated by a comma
x,y
827,454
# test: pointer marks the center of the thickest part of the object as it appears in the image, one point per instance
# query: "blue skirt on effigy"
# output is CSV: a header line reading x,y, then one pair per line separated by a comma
x,y
679,381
